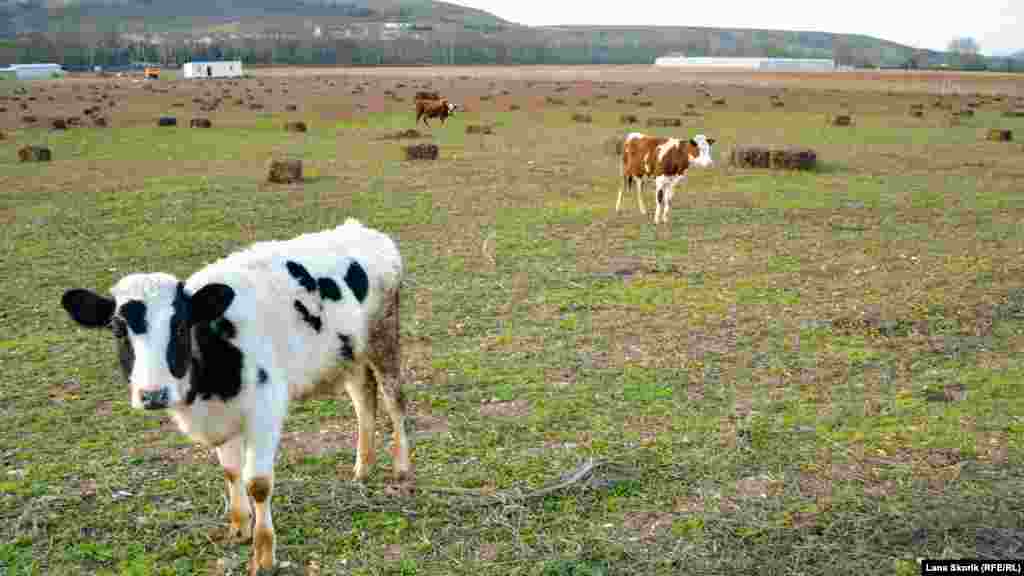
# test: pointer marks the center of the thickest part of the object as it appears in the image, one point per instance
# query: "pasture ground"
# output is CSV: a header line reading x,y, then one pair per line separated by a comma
x,y
804,373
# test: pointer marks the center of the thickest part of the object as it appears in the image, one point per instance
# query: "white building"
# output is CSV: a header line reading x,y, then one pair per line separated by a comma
x,y
32,71
216,69
767,64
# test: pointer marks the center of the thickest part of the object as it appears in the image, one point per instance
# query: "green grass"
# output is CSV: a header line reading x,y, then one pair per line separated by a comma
x,y
763,372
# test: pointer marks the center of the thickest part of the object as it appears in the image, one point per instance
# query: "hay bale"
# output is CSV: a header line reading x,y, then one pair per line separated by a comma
x,y
34,154
842,120
665,122
584,118
1000,135
58,124
750,157
167,121
794,159
295,127
427,95
285,171
628,119
478,129
200,123
421,152
99,122
777,158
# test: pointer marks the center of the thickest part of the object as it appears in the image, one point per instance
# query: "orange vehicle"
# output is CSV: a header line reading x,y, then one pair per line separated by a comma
x,y
152,72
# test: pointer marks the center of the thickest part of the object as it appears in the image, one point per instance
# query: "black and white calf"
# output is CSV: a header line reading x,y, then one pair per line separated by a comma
x,y
227,350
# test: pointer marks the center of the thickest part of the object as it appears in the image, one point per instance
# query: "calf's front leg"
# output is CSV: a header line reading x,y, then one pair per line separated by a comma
x,y
363,392
239,510
261,443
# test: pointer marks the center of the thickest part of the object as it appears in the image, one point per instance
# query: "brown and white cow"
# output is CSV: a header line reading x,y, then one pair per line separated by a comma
x,y
441,108
664,159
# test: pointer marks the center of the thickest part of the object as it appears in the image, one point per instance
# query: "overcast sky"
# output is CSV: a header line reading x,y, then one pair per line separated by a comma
x,y
997,25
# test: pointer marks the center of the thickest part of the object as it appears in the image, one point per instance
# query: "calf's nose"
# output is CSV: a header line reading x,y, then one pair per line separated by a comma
x,y
154,399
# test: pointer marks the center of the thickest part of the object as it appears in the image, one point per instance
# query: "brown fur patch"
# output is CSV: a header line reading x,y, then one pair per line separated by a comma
x,y
262,549
230,476
385,347
259,489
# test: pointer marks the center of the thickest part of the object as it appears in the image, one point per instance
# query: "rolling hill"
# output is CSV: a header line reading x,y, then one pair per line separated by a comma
x,y
380,32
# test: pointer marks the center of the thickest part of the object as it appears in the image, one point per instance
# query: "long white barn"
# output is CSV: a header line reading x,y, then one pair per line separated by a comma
x,y
768,64
215,69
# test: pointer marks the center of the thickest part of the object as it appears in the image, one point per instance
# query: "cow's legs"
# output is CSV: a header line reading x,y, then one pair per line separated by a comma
x,y
625,184
386,364
669,193
362,390
640,194
239,510
261,441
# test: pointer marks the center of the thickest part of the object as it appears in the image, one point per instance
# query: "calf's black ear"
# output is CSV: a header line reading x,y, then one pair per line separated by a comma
x,y
210,302
694,143
88,308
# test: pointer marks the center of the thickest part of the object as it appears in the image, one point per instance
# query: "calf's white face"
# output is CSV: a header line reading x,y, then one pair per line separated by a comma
x,y
153,322
703,160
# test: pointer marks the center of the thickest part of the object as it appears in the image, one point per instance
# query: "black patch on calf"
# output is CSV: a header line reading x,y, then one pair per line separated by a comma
x,y
346,352
661,196
308,318
218,369
299,272
179,348
217,366
134,314
329,289
357,281
261,376
222,327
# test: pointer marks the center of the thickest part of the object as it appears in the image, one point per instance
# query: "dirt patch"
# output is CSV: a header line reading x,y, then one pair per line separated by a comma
x,y
509,409
761,486
648,525
332,437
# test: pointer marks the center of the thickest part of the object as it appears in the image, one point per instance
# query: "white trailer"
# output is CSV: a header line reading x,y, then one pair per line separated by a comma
x,y
214,69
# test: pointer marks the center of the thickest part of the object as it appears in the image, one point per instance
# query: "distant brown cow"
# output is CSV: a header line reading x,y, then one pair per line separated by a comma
x,y
434,109
664,159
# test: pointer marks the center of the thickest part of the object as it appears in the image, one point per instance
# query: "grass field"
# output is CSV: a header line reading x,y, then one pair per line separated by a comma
x,y
804,373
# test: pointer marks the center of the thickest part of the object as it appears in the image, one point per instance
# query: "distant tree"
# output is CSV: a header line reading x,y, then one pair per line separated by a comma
x,y
964,45
964,52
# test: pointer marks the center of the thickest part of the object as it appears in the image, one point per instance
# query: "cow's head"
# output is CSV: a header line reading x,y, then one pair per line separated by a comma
x,y
451,108
700,151
151,318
